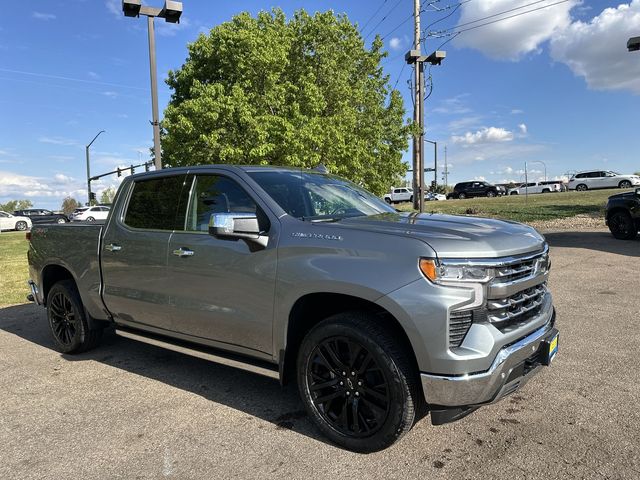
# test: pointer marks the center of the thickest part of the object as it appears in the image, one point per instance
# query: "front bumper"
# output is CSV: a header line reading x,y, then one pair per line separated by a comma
x,y
512,367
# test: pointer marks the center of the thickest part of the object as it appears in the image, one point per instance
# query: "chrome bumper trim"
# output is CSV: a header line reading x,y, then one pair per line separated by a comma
x,y
34,292
489,386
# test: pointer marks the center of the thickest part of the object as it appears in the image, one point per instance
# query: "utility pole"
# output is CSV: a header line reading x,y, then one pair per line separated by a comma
x,y
418,118
446,168
86,151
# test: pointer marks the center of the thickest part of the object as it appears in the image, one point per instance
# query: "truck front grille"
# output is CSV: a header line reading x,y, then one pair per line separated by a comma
x,y
518,308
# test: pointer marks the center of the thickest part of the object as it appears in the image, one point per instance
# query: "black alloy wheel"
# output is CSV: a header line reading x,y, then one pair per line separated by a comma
x,y
625,184
72,328
348,388
63,319
622,226
357,382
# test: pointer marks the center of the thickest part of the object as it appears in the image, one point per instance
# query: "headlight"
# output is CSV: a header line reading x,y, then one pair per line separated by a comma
x,y
443,273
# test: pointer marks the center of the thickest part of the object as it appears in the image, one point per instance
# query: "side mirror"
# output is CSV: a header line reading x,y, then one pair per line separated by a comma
x,y
237,226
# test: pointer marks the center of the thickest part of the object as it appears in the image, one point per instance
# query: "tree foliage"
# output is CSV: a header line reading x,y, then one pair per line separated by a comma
x,y
13,205
294,92
107,195
69,204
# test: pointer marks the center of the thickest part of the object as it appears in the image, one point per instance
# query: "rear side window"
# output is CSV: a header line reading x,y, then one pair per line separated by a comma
x,y
154,203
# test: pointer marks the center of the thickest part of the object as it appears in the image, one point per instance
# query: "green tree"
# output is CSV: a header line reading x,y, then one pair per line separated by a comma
x,y
13,205
294,92
107,195
69,204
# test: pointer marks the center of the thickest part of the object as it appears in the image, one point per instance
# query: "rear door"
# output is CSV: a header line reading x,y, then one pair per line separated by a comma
x,y
134,251
223,290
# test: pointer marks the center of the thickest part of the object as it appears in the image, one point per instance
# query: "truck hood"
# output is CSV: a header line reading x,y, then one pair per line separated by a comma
x,y
455,236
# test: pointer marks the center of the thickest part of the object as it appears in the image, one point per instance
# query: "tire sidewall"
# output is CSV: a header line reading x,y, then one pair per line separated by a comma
x,y
21,226
398,390
631,234
625,184
66,289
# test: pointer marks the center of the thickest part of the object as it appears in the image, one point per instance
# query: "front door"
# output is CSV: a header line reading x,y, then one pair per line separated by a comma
x,y
134,252
223,290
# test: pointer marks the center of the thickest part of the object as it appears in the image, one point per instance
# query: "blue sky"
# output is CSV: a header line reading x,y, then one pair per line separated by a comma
x,y
555,85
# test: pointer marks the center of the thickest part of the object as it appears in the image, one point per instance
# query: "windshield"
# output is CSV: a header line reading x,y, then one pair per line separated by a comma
x,y
314,196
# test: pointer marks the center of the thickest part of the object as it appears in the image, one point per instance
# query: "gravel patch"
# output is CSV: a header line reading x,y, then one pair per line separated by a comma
x,y
579,222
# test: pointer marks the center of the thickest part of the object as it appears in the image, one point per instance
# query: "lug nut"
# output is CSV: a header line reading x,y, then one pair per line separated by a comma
x,y
359,383
357,394
353,374
348,393
341,383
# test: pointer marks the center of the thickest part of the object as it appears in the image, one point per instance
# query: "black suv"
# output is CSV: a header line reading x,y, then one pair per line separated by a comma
x,y
38,215
474,189
623,214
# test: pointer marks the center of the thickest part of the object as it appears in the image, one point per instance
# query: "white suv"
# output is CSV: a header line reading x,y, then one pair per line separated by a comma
x,y
592,179
90,214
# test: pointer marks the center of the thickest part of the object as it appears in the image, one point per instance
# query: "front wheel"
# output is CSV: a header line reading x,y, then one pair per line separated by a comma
x,y
462,196
581,188
21,226
357,382
622,226
625,184
62,220
388,200
91,219
491,194
73,331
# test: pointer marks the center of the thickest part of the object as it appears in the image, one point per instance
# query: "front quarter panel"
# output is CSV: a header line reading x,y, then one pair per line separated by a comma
x,y
325,258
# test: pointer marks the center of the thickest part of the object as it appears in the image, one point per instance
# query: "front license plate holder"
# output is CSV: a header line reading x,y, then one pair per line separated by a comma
x,y
549,347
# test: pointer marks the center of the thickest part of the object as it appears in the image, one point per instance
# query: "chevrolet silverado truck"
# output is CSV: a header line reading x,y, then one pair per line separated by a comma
x,y
623,214
379,317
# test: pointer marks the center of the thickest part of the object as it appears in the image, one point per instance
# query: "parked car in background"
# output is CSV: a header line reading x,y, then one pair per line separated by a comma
x,y
402,194
474,189
535,187
430,197
38,216
90,214
623,214
593,179
14,222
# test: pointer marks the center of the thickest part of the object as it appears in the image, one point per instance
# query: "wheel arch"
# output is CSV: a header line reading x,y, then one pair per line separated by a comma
x,y
312,308
617,209
52,274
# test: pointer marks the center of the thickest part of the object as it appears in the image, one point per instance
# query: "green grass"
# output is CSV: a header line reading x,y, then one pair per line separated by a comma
x,y
14,270
535,208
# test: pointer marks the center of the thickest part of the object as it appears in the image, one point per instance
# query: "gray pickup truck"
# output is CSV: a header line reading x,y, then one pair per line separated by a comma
x,y
380,317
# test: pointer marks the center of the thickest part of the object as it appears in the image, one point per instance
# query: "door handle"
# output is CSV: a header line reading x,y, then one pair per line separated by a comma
x,y
113,247
183,252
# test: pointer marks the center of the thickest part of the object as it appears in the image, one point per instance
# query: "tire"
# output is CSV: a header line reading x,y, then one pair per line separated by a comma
x,y
384,411
513,193
91,219
625,184
491,194
462,196
388,200
546,190
411,198
61,220
21,226
622,226
72,329
582,188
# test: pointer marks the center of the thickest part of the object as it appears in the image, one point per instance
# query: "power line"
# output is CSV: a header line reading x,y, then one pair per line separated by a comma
x,y
373,16
444,33
422,9
383,19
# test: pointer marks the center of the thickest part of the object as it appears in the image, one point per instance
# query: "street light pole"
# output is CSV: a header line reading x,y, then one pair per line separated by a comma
x,y
89,168
544,165
171,12
157,152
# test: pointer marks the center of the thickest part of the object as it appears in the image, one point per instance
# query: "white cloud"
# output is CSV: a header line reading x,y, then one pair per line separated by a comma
x,y
110,94
596,50
166,29
523,128
93,75
115,7
484,135
395,43
516,111
454,105
511,39
44,16
58,141
464,123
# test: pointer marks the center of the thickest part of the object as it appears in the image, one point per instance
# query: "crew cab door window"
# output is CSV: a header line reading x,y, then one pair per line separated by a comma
x,y
134,251
222,289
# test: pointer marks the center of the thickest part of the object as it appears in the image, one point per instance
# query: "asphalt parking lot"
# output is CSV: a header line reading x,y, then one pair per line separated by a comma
x,y
128,410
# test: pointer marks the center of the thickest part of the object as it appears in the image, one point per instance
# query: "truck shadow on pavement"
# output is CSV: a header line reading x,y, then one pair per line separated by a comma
x,y
247,392
594,240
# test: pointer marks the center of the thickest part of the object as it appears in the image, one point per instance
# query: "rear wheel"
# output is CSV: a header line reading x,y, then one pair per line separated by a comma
x,y
462,195
581,188
546,190
73,331
513,193
62,220
357,382
411,198
491,194
21,225
625,184
622,226
91,219
388,200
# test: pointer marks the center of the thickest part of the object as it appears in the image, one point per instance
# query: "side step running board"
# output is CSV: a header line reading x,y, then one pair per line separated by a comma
x,y
206,353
